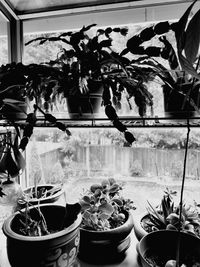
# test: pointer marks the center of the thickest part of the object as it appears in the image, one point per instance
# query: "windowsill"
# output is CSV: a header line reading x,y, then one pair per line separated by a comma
x,y
131,259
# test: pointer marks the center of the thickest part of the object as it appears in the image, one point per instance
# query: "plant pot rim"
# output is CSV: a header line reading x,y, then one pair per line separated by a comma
x,y
8,232
112,231
36,200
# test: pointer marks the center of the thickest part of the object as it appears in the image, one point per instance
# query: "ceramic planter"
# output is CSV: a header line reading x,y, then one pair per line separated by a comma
x,y
138,229
58,249
86,105
173,102
161,246
105,246
50,198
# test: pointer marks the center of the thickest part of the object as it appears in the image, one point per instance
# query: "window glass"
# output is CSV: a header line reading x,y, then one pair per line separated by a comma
x,y
35,52
152,164
3,40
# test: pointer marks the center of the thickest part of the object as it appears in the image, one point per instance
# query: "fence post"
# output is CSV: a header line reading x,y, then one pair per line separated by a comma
x,y
88,160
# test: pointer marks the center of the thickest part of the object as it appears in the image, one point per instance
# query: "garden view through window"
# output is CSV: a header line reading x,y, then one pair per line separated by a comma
x,y
153,163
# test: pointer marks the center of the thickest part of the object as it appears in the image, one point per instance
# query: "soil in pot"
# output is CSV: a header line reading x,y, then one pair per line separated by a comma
x,y
59,248
104,247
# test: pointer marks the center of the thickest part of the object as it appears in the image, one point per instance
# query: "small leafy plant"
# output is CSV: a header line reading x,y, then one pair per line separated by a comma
x,y
166,216
103,207
32,222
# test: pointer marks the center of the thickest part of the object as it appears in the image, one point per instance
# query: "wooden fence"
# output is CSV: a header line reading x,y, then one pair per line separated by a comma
x,y
137,161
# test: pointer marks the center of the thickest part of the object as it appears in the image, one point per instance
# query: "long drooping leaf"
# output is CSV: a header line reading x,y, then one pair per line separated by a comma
x,y
180,28
187,66
192,38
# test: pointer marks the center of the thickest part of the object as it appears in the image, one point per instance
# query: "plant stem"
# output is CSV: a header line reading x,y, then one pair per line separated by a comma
x,y
181,197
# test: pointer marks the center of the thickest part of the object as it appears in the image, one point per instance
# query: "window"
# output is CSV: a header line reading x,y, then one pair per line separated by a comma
x,y
154,162
3,39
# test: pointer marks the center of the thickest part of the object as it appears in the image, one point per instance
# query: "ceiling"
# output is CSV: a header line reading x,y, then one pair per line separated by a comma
x,y
32,6
27,8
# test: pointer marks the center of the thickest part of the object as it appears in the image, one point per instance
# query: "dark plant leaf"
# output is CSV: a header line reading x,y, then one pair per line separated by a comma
x,y
180,28
105,43
192,38
118,201
187,66
84,29
1,192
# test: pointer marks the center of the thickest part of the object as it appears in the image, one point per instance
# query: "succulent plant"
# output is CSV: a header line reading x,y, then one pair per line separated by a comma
x,y
103,206
166,216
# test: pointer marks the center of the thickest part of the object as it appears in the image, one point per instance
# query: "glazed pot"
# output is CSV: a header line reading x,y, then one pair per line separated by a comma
x,y
54,193
161,246
86,105
58,249
174,99
102,247
138,229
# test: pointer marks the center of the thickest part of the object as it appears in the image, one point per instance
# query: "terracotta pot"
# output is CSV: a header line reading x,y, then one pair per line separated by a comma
x,y
86,105
56,249
108,246
162,247
57,194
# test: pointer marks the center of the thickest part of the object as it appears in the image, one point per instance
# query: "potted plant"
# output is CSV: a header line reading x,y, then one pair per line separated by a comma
x,y
40,194
12,164
159,248
29,86
181,245
178,69
106,223
166,216
46,234
90,62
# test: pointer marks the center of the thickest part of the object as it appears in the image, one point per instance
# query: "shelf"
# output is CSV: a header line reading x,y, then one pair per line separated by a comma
x,y
130,122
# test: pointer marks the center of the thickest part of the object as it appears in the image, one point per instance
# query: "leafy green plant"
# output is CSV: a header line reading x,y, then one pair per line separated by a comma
x,y
166,216
92,58
24,84
103,206
180,53
31,221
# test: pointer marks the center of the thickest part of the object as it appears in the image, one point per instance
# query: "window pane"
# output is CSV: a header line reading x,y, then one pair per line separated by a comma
x,y
3,40
153,163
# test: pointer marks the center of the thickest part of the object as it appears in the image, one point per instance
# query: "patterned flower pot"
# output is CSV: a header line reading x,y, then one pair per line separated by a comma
x,y
58,249
103,247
